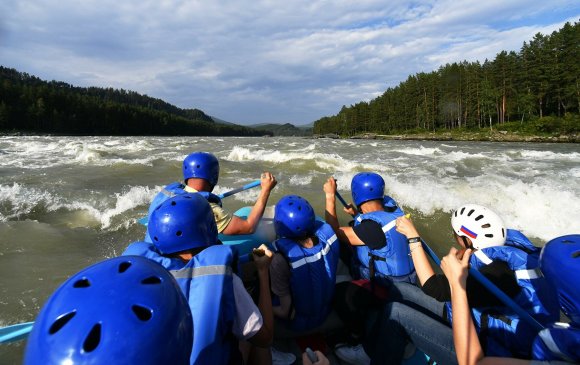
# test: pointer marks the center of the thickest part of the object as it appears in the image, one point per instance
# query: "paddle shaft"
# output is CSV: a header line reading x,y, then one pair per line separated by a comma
x,y
251,185
493,289
15,332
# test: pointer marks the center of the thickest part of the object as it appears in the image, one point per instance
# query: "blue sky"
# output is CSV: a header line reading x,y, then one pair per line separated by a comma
x,y
262,61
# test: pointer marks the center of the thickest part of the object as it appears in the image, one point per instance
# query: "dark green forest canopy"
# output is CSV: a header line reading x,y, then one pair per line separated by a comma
x,y
31,105
536,89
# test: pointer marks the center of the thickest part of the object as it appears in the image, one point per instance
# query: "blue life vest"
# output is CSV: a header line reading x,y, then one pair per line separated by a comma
x,y
500,328
393,260
171,190
560,342
313,276
206,281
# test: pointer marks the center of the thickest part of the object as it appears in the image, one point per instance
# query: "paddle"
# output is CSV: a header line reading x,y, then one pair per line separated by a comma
x,y
342,201
251,185
15,332
493,289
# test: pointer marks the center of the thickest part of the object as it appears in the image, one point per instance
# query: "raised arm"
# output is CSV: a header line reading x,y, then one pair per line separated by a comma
x,y
344,234
248,226
465,338
422,266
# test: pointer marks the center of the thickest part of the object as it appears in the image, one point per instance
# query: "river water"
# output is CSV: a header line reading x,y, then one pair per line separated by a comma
x,y
67,202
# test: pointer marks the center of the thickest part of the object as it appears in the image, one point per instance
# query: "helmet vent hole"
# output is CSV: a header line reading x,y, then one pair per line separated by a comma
x,y
489,235
156,239
60,322
151,280
178,233
456,213
503,233
143,313
173,203
291,203
470,212
93,339
299,207
197,166
487,225
124,266
479,217
575,254
82,283
462,210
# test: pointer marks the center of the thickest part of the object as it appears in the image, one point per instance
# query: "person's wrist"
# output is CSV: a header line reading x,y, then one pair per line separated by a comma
x,y
414,239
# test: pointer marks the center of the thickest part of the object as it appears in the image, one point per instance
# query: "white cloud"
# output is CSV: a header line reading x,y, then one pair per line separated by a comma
x,y
262,61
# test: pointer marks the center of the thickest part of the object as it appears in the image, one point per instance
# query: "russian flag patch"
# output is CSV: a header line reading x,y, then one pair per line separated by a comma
x,y
468,232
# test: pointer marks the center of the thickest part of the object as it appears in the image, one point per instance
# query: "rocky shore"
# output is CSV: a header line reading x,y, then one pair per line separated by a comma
x,y
493,136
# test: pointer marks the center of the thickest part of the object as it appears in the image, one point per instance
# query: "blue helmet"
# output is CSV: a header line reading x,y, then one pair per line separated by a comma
x,y
367,186
124,310
201,165
294,217
183,222
560,262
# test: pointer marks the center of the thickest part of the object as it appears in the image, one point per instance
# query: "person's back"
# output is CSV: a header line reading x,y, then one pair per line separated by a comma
x,y
380,252
184,236
201,173
303,271
505,332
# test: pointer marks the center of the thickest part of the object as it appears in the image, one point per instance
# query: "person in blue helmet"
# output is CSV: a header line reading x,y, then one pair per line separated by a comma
x,y
184,235
381,254
124,310
200,174
558,343
303,270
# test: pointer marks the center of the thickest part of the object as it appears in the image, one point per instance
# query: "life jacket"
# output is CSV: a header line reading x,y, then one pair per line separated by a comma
x,y
393,260
500,329
171,190
206,281
313,275
560,342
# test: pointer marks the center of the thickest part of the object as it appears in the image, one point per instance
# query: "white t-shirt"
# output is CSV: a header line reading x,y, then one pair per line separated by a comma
x,y
248,319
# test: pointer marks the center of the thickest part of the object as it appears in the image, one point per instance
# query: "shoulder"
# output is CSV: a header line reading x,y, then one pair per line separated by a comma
x,y
371,233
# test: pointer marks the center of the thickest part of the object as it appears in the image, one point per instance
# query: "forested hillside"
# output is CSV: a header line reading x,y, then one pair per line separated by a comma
x,y
536,89
31,105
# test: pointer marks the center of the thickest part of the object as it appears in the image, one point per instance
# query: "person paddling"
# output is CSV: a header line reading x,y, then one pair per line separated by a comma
x,y
303,270
200,175
381,254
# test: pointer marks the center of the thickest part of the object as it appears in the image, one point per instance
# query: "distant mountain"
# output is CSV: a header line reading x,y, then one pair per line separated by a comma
x,y
31,105
283,129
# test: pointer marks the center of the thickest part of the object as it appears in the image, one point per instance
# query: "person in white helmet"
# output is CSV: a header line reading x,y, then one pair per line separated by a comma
x,y
423,315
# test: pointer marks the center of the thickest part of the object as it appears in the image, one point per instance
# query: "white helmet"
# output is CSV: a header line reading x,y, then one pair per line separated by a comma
x,y
481,225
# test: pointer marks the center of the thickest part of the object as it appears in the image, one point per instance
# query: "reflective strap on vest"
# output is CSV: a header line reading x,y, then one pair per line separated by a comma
x,y
528,274
546,336
193,272
387,227
520,274
314,258
483,257
167,193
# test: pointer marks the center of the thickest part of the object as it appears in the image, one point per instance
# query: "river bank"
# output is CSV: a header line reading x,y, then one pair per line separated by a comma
x,y
493,136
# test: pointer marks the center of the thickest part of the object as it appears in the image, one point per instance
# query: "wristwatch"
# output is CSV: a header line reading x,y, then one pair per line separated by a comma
x,y
413,240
